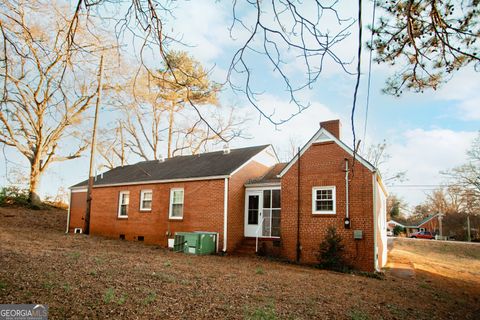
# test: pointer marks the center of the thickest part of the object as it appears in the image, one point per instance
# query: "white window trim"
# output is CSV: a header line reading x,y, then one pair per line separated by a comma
x,y
142,197
172,191
120,195
314,199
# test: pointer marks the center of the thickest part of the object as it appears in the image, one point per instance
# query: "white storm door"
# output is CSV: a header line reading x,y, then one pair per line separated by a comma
x,y
253,212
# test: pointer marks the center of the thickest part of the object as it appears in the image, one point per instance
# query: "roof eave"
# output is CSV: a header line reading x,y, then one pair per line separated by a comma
x,y
331,137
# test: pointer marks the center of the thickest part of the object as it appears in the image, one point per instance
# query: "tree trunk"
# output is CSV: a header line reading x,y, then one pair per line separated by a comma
x,y
35,173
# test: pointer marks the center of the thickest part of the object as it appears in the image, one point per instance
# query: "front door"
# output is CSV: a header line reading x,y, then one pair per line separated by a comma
x,y
253,212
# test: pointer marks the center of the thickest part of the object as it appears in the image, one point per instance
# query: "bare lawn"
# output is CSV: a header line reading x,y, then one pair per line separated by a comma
x,y
89,277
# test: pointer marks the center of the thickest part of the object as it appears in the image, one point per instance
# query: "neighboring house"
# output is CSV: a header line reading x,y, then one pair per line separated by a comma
x,y
244,195
429,223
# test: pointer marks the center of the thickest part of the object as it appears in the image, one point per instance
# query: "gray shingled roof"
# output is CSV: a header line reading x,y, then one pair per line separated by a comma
x,y
209,164
270,177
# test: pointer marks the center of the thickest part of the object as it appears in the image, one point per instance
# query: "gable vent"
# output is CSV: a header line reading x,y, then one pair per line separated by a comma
x,y
226,149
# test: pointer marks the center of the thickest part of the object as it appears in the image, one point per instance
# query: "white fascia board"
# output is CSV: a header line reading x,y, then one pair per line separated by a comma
x,y
268,151
395,223
159,181
263,186
78,189
329,137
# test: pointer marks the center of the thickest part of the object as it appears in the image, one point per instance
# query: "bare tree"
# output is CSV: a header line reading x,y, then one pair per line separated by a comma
x,y
197,137
378,156
44,98
468,175
111,147
429,39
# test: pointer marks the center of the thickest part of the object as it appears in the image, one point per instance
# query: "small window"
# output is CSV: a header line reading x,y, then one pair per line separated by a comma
x,y
122,237
124,199
146,200
140,238
176,204
323,200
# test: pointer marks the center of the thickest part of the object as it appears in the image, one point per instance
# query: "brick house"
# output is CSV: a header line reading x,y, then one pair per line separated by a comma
x,y
246,195
429,223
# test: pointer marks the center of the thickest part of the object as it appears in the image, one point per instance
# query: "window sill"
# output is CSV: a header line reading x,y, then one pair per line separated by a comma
x,y
175,219
145,210
122,218
322,214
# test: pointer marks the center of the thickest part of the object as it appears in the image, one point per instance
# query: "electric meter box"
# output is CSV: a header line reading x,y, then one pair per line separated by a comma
x,y
357,234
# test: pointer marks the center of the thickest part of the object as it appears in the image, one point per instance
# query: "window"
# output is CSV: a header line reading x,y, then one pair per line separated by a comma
x,y
146,200
123,201
323,200
271,213
176,204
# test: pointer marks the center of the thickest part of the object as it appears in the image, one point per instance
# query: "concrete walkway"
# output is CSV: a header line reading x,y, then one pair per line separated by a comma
x,y
404,269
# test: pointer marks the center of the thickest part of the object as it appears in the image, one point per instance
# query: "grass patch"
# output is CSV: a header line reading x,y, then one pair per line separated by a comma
x,y
3,285
151,296
48,285
356,314
109,295
122,299
262,313
424,285
167,263
398,312
163,277
66,287
99,260
259,270
93,273
75,255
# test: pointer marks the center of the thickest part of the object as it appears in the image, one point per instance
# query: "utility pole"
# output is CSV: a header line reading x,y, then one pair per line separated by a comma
x,y
468,228
122,157
86,228
440,218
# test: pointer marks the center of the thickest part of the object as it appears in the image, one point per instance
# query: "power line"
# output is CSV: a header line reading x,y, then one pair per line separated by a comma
x,y
357,82
369,73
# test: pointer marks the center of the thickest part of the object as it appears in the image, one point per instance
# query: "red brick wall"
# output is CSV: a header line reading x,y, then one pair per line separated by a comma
x,y
431,225
332,126
78,205
236,201
203,211
323,164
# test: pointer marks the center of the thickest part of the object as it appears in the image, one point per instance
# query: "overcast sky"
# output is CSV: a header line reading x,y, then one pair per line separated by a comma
x,y
426,132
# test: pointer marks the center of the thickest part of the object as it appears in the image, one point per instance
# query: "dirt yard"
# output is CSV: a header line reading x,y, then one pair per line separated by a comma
x,y
80,277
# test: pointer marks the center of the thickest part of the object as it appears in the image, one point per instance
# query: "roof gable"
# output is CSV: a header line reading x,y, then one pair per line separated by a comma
x,y
322,135
409,223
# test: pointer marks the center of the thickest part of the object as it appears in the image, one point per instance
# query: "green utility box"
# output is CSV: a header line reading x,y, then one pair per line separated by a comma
x,y
186,242
195,242
208,242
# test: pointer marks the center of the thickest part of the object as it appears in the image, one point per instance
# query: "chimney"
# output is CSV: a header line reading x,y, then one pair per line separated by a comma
x,y
332,126
226,149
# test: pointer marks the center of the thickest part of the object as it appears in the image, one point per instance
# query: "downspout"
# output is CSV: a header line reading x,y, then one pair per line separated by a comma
x,y
299,247
347,214
375,249
68,214
225,215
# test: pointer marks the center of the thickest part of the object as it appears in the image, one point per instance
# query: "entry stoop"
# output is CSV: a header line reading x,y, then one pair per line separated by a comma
x,y
247,247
